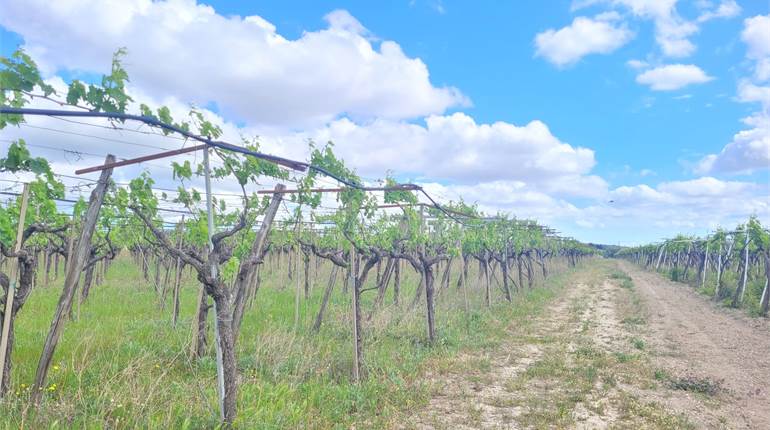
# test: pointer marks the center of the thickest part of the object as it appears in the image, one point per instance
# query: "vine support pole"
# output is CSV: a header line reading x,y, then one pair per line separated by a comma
x,y
77,260
739,297
12,282
705,263
210,219
660,256
355,307
464,277
296,274
719,272
487,292
764,302
177,274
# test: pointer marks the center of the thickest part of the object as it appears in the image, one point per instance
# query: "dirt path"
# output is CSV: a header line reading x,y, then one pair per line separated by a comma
x,y
612,351
579,365
714,349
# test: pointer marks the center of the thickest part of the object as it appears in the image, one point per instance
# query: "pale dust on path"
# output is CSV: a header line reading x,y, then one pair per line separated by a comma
x,y
695,339
518,384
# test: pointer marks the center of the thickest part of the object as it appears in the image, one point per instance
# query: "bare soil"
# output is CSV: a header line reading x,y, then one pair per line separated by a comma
x,y
651,355
695,340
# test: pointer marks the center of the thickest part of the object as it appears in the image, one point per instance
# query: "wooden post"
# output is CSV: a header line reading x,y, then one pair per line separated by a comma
x,y
178,275
70,247
12,282
80,254
325,300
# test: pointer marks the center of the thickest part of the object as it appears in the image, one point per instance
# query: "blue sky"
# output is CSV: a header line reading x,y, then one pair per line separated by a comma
x,y
654,154
486,49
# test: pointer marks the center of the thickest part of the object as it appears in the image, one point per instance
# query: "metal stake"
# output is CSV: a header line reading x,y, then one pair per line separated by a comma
x,y
210,216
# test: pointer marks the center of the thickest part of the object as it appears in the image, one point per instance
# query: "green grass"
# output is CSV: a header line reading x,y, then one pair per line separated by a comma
x,y
696,385
692,384
622,277
616,273
661,375
121,364
729,283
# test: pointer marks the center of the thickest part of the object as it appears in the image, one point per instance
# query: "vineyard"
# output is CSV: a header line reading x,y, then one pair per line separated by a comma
x,y
134,298
730,266
259,291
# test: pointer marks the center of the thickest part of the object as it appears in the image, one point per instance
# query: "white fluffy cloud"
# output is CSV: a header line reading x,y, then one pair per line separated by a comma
x,y
600,35
756,36
726,9
664,210
700,202
510,197
692,206
457,148
672,32
673,77
241,64
749,149
637,64
705,187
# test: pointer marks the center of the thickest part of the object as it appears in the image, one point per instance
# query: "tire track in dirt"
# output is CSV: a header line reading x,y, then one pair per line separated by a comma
x,y
581,364
477,392
694,340
559,371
